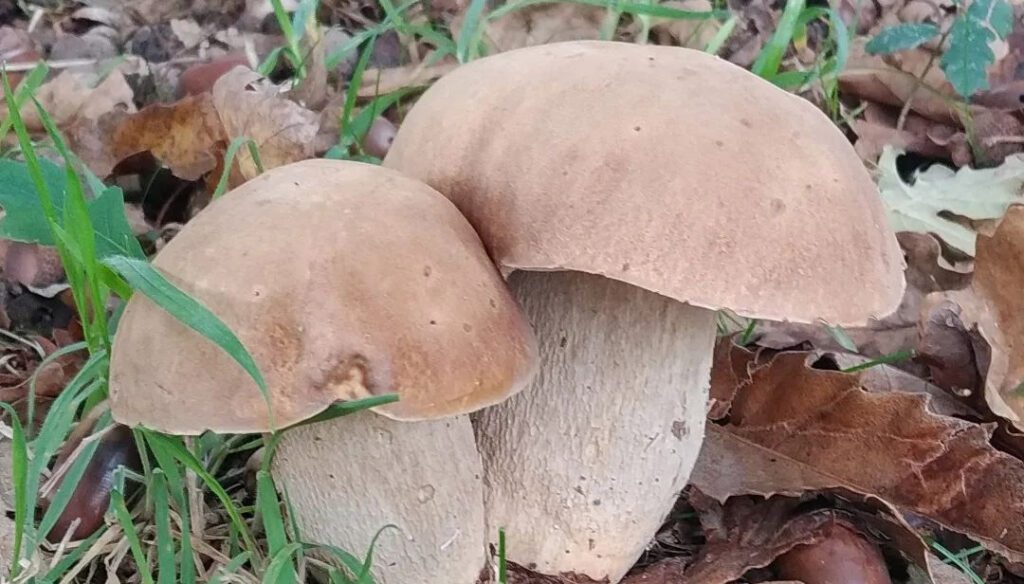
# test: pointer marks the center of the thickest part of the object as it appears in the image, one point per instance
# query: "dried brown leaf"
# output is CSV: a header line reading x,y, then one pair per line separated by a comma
x,y
926,272
16,46
78,97
893,79
993,306
793,428
694,34
187,136
747,533
382,81
283,131
542,24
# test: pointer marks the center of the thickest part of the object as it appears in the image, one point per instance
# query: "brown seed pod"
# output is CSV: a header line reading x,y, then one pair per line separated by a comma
x,y
378,140
91,497
843,557
200,78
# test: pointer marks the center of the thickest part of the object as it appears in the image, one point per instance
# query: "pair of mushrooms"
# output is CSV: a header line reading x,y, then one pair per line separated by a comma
x,y
535,270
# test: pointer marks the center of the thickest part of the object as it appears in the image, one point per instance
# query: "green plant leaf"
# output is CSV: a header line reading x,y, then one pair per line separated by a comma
x,y
114,235
24,217
901,37
966,61
969,56
996,13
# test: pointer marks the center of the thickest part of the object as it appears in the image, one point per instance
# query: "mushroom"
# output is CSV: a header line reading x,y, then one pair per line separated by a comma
x,y
628,192
344,280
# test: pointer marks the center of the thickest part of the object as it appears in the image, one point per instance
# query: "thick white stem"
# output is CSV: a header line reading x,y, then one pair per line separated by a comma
x,y
582,467
349,477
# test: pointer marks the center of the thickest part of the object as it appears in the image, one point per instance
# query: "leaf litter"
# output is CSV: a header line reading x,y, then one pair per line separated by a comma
x,y
890,459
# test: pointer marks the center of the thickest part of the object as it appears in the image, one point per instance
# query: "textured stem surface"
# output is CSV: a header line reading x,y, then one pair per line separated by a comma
x,y
582,467
349,477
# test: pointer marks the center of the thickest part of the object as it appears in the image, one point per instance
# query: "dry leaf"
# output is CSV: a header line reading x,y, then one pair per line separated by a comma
x,y
187,136
694,34
283,131
188,32
926,204
993,305
76,97
747,533
542,24
926,272
383,81
893,79
311,92
793,428
16,46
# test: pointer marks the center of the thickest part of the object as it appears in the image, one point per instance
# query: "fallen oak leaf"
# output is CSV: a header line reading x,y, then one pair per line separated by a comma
x,y
377,82
993,306
186,136
893,79
282,130
978,194
77,97
793,428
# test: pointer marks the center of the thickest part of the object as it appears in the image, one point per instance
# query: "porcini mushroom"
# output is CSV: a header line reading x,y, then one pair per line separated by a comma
x,y
344,280
628,192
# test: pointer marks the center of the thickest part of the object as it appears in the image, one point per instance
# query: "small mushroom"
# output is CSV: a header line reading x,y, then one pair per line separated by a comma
x,y
344,280
628,192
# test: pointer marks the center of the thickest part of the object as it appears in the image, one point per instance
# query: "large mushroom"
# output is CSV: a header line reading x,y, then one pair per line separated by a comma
x,y
628,192
344,280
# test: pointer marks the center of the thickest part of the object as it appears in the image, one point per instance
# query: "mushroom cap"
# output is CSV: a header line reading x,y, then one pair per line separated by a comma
x,y
344,280
666,168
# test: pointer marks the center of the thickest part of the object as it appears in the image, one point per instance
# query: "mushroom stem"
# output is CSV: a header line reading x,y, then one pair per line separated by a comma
x,y
349,477
582,467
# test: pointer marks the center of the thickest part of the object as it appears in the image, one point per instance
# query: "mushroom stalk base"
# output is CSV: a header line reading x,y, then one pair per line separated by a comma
x,y
582,467
349,477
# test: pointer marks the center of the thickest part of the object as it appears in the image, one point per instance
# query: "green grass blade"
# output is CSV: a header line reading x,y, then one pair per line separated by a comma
x,y
770,59
724,32
888,359
166,569
28,86
23,502
157,440
128,527
146,279
337,410
352,93
269,509
278,563
70,558
28,152
469,34
229,160
502,563
230,568
67,488
633,8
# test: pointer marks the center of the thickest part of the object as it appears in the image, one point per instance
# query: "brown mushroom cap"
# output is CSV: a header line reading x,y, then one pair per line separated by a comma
x,y
666,168
344,280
